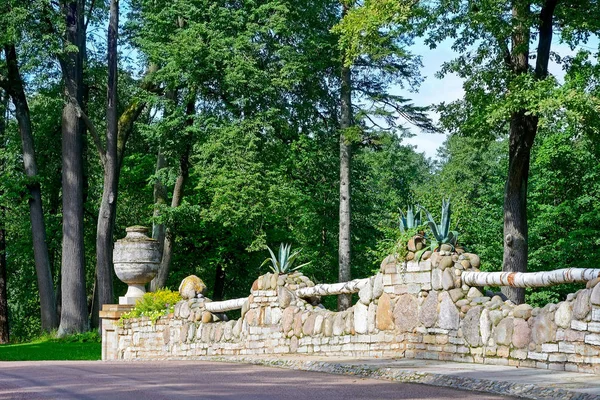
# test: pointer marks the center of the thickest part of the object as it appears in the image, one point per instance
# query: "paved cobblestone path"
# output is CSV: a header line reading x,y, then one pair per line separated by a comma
x,y
200,380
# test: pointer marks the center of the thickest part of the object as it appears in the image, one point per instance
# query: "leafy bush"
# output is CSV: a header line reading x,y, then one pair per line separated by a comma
x,y
154,305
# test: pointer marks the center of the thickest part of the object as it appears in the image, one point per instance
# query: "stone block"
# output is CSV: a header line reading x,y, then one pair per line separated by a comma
x,y
566,347
593,338
448,317
596,311
579,325
550,347
532,355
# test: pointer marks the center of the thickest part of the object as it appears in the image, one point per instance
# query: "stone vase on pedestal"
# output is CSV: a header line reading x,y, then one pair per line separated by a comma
x,y
136,258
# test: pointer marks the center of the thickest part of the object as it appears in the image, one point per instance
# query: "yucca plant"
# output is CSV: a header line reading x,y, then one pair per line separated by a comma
x,y
411,220
285,263
441,233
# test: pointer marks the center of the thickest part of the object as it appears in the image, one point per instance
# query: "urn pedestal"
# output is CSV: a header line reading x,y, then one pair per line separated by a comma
x,y
136,258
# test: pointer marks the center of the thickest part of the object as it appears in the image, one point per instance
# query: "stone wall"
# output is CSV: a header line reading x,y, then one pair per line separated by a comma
x,y
412,310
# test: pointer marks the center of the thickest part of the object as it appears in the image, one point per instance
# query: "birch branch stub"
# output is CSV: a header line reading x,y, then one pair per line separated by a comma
x,y
530,279
327,289
227,305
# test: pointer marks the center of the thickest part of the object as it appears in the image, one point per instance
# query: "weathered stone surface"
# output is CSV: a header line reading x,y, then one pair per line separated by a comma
x,y
384,319
581,305
435,259
446,247
436,278
349,327
339,324
426,255
447,279
503,334
378,286
328,325
521,333
591,284
543,329
473,260
465,264
496,316
595,297
456,294
485,325
365,293
474,292
287,319
361,312
294,344
445,262
371,317
286,297
184,309
522,311
406,313
191,286
429,310
309,325
470,326
298,324
319,319
448,317
563,314
207,317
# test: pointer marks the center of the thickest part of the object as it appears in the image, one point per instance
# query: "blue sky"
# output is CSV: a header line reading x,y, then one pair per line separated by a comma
x,y
435,91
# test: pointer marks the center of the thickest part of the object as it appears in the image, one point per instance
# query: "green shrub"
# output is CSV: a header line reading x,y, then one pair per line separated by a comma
x,y
154,305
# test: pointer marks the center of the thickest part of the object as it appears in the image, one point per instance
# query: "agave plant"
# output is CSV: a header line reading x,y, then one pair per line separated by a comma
x,y
441,233
285,263
410,220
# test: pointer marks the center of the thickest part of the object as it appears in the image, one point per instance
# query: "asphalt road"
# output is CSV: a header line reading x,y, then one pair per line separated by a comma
x,y
199,380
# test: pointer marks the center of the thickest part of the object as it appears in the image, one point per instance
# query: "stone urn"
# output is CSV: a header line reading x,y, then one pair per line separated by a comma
x,y
136,258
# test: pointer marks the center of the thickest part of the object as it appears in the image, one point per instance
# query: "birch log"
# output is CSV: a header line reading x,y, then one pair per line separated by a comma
x,y
227,305
529,279
327,289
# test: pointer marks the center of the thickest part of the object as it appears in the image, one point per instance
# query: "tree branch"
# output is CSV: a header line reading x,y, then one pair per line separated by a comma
x,y
545,39
90,125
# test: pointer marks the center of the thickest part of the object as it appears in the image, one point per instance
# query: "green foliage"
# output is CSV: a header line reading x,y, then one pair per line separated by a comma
x,y
441,233
411,220
154,305
283,264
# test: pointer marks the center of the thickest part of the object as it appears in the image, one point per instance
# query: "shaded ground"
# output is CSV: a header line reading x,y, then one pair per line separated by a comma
x,y
199,380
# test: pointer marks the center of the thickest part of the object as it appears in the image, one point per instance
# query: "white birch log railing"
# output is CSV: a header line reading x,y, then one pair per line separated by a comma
x,y
227,305
326,289
530,279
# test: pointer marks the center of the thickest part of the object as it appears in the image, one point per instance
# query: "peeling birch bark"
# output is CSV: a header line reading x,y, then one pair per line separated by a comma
x,y
227,305
530,279
325,289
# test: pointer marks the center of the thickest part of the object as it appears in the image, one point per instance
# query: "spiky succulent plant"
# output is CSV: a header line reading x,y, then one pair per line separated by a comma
x,y
410,220
285,263
442,233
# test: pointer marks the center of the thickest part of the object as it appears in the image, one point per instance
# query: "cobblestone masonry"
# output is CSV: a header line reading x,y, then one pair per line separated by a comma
x,y
412,310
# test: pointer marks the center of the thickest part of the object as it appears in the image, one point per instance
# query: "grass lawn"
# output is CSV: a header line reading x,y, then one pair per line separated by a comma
x,y
77,347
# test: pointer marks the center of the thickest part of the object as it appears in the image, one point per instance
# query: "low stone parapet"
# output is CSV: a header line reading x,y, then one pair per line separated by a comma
x,y
412,310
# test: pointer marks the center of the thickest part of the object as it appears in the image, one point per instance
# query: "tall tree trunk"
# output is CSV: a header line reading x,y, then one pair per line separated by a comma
x,y
36,214
74,316
4,332
160,199
184,169
345,273
108,205
523,128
